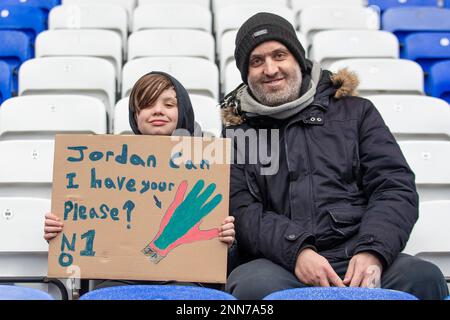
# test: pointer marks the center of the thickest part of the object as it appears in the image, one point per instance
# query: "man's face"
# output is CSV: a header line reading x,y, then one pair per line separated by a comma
x,y
274,76
161,118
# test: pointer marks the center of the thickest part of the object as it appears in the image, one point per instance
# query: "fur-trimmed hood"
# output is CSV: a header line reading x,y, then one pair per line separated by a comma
x,y
344,83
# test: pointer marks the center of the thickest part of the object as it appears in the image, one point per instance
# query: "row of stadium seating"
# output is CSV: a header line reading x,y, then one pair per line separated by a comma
x,y
81,78
195,40
172,292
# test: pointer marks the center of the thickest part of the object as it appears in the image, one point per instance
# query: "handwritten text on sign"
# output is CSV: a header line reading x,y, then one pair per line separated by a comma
x,y
106,187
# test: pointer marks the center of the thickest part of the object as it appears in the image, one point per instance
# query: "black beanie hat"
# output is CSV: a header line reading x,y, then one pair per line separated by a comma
x,y
264,27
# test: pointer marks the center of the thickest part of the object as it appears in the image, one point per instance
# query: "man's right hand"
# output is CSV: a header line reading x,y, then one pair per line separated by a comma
x,y
52,227
314,270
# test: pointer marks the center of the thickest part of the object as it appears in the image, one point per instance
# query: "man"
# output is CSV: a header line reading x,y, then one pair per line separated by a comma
x,y
340,207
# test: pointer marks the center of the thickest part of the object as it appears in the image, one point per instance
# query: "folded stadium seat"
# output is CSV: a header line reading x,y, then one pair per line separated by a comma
x,y
95,43
20,293
203,3
69,75
128,5
232,78
403,21
174,42
427,48
430,239
27,168
16,48
411,117
91,16
233,16
206,111
381,76
24,252
25,193
319,18
27,19
172,16
332,45
44,116
207,114
438,84
199,76
5,81
219,4
299,5
316,293
387,4
429,161
44,5
155,292
226,54
121,117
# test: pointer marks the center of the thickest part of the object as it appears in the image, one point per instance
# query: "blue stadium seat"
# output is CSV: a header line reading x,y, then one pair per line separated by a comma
x,y
22,18
22,293
44,5
387,4
438,82
403,21
427,48
156,292
339,294
14,50
448,298
5,81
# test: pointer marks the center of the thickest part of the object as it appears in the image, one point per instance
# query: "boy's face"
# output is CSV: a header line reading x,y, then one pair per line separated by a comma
x,y
161,118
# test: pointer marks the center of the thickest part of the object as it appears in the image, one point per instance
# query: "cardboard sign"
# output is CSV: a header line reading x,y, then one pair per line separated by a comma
x,y
140,207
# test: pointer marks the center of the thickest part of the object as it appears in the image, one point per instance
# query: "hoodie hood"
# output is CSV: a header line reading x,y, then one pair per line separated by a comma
x,y
186,119
337,85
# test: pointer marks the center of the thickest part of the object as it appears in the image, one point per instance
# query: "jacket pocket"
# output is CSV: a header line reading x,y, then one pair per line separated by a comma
x,y
346,221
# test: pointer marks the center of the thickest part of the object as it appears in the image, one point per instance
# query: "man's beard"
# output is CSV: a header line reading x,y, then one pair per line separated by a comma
x,y
289,93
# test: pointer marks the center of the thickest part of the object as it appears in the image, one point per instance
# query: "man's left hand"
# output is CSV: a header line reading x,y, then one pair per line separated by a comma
x,y
364,271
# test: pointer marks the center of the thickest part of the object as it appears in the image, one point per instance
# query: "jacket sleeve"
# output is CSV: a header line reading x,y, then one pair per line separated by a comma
x,y
389,184
261,233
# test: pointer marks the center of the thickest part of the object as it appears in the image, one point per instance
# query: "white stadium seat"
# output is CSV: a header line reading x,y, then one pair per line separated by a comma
x,y
207,114
44,116
299,5
411,117
69,75
96,43
177,42
206,111
91,16
121,117
429,161
332,45
392,76
203,3
218,5
318,18
232,78
172,16
233,16
430,239
128,5
23,250
21,224
197,75
26,168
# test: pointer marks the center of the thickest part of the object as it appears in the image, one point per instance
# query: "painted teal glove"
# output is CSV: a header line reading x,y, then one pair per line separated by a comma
x,y
181,222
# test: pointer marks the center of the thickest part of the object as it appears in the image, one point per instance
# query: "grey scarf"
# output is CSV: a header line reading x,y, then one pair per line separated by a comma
x,y
284,111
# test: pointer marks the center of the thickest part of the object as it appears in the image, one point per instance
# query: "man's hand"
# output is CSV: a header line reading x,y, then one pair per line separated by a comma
x,y
364,271
314,270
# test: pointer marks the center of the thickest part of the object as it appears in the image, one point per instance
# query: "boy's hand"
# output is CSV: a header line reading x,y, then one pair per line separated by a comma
x,y
53,226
